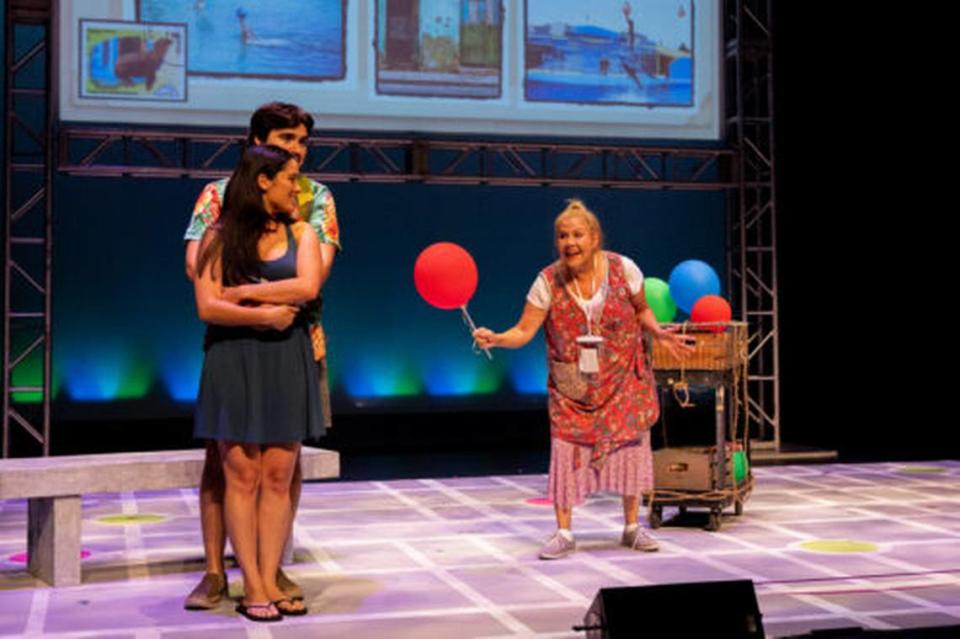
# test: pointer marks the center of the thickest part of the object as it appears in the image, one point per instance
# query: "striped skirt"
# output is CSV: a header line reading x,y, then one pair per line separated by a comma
x,y
627,471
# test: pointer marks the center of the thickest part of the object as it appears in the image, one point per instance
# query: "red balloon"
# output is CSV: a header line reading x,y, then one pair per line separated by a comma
x,y
445,275
711,308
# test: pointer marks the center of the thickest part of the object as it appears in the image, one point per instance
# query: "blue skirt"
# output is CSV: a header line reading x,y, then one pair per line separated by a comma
x,y
259,387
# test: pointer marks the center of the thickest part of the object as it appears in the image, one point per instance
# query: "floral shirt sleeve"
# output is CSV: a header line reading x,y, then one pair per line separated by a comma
x,y
206,210
318,207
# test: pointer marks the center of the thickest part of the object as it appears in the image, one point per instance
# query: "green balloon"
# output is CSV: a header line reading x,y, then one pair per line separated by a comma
x,y
658,298
740,466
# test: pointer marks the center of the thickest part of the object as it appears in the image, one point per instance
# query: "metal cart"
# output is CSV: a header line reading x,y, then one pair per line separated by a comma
x,y
710,477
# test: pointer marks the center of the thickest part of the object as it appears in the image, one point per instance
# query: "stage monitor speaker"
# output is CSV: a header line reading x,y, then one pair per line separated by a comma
x,y
928,632
725,609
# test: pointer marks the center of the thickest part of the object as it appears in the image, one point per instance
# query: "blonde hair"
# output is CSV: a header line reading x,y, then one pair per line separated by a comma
x,y
577,209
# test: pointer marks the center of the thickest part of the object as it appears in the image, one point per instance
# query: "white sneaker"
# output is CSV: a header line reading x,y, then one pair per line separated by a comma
x,y
557,547
637,539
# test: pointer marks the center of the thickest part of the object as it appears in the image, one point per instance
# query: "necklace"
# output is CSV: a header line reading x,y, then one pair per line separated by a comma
x,y
590,309
592,289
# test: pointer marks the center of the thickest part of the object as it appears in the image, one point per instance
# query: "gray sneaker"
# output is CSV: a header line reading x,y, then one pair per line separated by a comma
x,y
639,540
208,593
557,547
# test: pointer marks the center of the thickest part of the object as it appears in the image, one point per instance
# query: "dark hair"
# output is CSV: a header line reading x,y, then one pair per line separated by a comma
x,y
243,218
277,115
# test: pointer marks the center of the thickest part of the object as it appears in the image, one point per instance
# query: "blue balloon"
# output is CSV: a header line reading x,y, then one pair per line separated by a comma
x,y
690,280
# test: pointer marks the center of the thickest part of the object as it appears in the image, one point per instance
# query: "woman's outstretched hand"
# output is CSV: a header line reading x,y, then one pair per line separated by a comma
x,y
484,337
677,344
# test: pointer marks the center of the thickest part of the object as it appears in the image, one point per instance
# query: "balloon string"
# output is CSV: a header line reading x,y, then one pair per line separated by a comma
x,y
473,327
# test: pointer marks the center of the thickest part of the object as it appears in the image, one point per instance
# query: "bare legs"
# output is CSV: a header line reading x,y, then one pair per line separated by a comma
x,y
275,511
631,510
211,509
258,511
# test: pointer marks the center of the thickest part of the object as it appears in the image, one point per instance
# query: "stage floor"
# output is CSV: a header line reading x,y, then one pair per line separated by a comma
x,y
826,546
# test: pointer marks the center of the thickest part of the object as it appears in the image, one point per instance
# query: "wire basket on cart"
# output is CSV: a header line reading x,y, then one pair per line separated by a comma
x,y
712,477
719,346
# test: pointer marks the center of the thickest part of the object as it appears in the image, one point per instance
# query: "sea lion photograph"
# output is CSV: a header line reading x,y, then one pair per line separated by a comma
x,y
136,61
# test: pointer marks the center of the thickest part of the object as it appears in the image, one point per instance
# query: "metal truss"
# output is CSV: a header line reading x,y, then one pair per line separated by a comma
x,y
28,175
151,153
752,222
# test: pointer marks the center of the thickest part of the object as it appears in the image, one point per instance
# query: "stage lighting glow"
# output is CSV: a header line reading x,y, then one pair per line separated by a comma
x,y
380,376
454,376
107,373
528,374
182,378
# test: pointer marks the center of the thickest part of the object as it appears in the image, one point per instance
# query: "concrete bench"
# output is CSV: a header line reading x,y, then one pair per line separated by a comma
x,y
53,487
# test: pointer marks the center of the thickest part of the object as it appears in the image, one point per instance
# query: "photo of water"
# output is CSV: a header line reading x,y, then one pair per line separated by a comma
x,y
297,39
609,52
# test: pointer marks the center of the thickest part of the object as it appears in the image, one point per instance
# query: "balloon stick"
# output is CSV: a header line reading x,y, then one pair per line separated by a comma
x,y
473,327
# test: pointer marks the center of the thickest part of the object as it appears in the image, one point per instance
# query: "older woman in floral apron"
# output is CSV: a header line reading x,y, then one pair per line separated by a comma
x,y
601,394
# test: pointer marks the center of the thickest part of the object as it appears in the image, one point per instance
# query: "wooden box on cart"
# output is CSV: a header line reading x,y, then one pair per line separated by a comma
x,y
688,468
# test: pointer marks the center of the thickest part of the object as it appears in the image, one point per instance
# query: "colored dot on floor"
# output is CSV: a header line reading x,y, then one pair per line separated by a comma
x,y
127,520
922,470
838,546
21,557
539,501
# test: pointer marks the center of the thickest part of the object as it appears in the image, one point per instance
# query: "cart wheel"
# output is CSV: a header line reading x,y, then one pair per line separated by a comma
x,y
738,508
656,517
713,524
